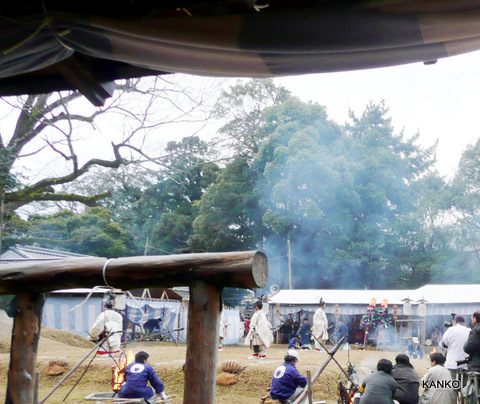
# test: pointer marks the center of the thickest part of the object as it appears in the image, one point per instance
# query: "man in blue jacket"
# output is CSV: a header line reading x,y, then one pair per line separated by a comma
x,y
287,382
137,375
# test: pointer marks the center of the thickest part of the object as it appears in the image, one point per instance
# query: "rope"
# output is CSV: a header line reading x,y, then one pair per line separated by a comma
x,y
103,272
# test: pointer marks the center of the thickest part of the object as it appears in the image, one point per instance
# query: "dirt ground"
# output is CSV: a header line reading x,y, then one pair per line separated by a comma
x,y
168,360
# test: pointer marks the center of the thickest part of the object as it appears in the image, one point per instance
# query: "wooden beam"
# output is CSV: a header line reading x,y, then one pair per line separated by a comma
x,y
80,77
202,343
23,352
246,269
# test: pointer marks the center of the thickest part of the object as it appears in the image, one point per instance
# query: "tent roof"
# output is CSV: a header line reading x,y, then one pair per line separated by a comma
x,y
433,294
18,252
53,45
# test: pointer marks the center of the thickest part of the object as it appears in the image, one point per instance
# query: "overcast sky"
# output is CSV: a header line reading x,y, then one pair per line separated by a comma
x,y
441,101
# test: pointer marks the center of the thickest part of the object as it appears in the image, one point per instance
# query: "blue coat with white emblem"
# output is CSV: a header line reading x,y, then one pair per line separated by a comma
x,y
286,379
137,375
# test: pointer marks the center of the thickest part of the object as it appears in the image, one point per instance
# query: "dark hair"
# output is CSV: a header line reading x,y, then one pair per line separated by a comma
x,y
289,358
109,304
403,359
298,336
384,365
477,316
305,319
438,358
259,304
141,356
459,318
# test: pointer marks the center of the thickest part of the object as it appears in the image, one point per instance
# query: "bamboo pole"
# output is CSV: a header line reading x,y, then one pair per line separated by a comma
x,y
71,371
247,269
23,352
202,343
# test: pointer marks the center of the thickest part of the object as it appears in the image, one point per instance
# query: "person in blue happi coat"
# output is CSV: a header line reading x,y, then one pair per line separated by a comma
x,y
305,333
287,382
137,375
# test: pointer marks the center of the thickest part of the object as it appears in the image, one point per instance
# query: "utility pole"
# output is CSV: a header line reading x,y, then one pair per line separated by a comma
x,y
2,214
146,247
289,264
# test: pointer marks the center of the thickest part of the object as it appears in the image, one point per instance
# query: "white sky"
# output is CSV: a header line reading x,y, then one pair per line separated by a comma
x,y
440,101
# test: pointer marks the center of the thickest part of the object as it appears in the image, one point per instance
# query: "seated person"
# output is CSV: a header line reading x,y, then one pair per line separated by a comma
x,y
408,380
436,373
415,349
379,387
137,375
295,342
287,382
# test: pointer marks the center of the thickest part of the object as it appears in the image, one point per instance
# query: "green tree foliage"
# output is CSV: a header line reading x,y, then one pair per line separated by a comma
x,y
462,258
162,206
229,218
229,214
243,107
341,197
91,233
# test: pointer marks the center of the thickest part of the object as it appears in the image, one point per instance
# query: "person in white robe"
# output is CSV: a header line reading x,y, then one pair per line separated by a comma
x,y
109,323
222,331
320,326
260,335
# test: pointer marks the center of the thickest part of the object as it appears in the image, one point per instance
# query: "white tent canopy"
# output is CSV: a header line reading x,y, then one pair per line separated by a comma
x,y
440,299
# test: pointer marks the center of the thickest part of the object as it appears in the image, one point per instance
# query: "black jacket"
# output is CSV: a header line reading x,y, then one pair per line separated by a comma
x,y
408,383
472,347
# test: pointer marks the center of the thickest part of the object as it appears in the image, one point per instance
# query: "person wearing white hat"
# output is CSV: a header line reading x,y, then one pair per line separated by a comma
x,y
287,382
415,349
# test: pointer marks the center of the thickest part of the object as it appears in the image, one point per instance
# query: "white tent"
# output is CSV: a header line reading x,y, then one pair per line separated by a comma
x,y
440,299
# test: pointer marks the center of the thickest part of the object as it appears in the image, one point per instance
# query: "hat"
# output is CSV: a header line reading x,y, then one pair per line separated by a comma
x,y
292,352
415,340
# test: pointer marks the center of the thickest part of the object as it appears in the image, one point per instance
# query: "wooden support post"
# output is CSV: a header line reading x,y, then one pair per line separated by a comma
x,y
309,388
202,343
23,353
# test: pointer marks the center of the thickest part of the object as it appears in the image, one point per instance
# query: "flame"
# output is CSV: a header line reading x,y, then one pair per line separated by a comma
x,y
434,350
118,371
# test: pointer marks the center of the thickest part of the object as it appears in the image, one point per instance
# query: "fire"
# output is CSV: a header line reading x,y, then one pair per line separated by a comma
x,y
434,349
118,371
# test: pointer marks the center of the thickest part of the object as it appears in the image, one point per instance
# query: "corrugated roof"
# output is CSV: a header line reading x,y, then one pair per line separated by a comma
x,y
30,252
435,294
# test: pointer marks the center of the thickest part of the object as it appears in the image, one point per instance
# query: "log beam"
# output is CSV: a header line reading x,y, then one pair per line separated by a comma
x,y
245,269
202,343
23,352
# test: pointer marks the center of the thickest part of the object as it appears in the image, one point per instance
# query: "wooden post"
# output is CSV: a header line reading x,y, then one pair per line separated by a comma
x,y
309,387
202,343
23,353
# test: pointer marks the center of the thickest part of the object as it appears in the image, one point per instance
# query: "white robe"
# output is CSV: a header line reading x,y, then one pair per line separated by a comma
x,y
112,323
260,330
320,324
223,326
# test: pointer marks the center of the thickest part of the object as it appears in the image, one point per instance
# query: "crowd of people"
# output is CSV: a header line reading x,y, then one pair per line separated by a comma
x,y
390,384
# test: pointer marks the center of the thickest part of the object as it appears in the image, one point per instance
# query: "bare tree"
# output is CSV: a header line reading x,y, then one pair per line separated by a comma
x,y
48,141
